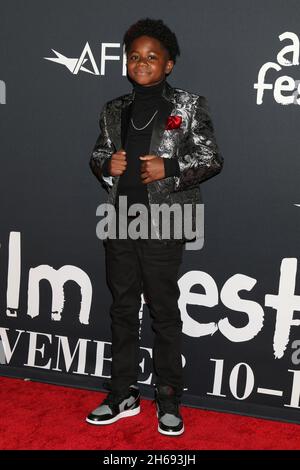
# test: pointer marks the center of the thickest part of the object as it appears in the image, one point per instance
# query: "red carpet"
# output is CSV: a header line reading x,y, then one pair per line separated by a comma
x,y
47,417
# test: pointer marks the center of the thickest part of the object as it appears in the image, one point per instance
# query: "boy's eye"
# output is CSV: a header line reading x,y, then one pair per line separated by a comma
x,y
134,57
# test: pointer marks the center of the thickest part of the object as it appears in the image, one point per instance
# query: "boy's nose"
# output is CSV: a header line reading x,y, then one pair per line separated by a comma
x,y
145,61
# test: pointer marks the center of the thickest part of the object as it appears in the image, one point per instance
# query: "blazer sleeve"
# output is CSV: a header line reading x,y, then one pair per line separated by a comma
x,y
102,151
201,158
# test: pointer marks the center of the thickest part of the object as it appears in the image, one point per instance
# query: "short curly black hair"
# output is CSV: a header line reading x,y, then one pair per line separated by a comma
x,y
156,29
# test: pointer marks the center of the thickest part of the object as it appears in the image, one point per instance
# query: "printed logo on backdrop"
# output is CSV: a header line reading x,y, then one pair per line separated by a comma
x,y
2,354
68,357
86,61
2,92
284,88
59,353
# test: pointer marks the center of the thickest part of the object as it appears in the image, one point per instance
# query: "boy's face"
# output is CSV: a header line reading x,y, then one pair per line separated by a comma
x,y
148,61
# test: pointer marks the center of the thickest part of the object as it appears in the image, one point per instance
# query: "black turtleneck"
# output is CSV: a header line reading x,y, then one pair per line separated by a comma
x,y
143,107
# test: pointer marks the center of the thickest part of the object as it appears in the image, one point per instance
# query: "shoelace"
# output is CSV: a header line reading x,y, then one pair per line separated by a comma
x,y
168,405
113,399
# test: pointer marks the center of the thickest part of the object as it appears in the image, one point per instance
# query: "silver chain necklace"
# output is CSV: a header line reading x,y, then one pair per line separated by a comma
x,y
141,128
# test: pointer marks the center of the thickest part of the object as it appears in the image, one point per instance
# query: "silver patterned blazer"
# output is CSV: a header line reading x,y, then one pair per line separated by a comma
x,y
193,144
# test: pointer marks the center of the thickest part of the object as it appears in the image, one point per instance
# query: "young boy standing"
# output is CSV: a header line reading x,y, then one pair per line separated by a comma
x,y
155,146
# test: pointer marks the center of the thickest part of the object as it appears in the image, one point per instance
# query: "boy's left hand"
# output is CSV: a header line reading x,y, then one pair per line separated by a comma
x,y
152,168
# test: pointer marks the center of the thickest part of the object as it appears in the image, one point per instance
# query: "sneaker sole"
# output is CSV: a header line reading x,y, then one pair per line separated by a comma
x,y
123,414
171,433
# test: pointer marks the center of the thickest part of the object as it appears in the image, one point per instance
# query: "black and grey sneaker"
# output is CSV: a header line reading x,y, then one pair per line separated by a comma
x,y
170,421
115,407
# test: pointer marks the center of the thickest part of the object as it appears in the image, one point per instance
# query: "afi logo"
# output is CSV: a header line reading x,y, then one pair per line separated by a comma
x,y
86,61
286,57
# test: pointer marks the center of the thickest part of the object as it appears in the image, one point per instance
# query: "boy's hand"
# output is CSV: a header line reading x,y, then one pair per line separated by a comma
x,y
118,163
152,168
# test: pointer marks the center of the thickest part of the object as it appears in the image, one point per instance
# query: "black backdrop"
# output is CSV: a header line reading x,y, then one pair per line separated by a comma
x,y
239,298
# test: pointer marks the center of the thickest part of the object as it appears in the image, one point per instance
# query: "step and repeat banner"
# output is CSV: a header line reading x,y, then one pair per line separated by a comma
x,y
240,291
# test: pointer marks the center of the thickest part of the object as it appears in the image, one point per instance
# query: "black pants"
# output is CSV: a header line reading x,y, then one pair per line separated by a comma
x,y
148,266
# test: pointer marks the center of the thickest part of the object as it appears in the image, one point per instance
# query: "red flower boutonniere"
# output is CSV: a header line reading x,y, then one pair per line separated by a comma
x,y
173,122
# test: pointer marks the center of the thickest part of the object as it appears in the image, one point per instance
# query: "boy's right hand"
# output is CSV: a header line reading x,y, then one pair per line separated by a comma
x,y
118,163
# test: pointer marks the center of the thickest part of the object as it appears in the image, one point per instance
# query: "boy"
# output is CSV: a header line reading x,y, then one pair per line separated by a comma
x,y
155,146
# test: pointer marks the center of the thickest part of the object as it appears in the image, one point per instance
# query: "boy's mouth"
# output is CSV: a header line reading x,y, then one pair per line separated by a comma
x,y
142,73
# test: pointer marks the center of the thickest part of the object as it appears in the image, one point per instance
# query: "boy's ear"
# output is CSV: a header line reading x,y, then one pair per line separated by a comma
x,y
169,66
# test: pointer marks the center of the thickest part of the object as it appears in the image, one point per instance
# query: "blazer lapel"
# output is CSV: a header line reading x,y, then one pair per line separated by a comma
x,y
164,110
